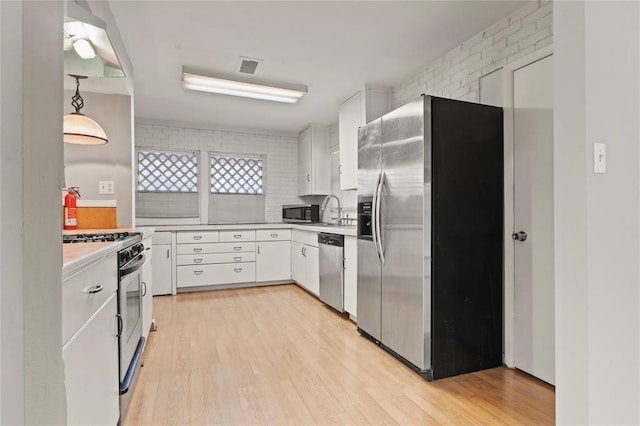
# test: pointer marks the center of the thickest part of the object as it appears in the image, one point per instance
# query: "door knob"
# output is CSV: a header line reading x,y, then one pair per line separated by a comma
x,y
519,236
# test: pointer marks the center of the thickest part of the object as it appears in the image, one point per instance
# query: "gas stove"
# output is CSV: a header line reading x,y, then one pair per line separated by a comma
x,y
96,238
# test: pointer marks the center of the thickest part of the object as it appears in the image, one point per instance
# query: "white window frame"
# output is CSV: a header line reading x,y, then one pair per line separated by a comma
x,y
202,156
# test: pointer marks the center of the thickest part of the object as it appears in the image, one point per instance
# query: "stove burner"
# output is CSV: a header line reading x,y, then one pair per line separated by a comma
x,y
95,238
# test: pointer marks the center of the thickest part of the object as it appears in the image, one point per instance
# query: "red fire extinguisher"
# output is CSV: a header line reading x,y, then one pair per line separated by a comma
x,y
70,210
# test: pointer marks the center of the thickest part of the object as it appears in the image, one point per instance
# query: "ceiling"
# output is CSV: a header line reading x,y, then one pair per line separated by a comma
x,y
331,47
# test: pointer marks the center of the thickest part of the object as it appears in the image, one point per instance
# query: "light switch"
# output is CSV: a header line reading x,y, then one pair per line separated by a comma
x,y
599,158
106,187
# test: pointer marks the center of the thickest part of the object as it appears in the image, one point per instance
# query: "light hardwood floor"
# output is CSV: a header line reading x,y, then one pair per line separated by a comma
x,y
276,355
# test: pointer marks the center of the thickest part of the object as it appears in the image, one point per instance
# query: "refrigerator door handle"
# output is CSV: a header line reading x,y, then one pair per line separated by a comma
x,y
378,226
374,216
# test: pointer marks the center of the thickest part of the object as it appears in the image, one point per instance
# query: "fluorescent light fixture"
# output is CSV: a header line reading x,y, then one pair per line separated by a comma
x,y
84,48
238,88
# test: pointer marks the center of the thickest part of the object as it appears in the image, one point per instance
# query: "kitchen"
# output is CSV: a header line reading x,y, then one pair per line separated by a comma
x,y
38,173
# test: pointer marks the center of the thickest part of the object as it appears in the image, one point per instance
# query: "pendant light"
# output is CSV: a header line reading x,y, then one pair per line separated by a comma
x,y
78,128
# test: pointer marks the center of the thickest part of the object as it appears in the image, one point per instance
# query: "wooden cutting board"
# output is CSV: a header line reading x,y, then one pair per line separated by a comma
x,y
96,217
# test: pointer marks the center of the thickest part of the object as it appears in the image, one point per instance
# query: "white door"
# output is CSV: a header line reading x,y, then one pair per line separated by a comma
x,y
534,340
161,264
304,162
273,261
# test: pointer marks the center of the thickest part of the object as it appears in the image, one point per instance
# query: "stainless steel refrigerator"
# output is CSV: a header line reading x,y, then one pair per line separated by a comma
x,y
430,235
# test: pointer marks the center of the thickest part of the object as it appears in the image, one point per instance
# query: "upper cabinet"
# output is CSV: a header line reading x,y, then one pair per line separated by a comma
x,y
314,162
360,109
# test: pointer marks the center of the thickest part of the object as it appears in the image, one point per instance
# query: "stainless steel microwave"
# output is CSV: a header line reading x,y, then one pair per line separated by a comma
x,y
301,213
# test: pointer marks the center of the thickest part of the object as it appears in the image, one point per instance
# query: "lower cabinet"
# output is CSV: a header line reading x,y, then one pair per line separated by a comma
x,y
305,261
91,370
216,274
271,264
351,275
161,264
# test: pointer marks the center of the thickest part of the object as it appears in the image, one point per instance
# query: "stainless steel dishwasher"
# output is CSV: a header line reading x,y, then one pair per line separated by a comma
x,y
331,248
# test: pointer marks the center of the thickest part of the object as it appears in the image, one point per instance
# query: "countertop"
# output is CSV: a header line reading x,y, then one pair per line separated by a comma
x,y
340,230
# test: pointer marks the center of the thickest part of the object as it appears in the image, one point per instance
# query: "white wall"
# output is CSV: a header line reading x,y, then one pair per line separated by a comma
x,y
281,151
597,74
86,165
32,374
456,75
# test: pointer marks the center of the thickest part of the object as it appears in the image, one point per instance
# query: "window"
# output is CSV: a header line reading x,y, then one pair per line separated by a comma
x,y
236,175
167,184
237,188
167,171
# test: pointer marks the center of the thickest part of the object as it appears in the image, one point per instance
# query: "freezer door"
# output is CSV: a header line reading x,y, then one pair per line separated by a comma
x,y
403,207
369,268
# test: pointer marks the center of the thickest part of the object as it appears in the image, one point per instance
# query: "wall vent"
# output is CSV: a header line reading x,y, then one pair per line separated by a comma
x,y
248,65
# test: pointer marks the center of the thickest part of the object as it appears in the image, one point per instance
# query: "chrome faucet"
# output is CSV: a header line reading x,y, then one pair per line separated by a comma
x,y
324,206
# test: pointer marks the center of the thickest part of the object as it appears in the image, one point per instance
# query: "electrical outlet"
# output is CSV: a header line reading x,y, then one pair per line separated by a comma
x,y
106,187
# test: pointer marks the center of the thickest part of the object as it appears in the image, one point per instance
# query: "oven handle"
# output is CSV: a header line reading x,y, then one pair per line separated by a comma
x,y
133,266
120,325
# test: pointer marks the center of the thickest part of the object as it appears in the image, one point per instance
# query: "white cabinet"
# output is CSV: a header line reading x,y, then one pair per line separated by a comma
x,y
161,264
273,262
91,369
147,287
351,276
314,162
305,260
203,261
361,108
312,257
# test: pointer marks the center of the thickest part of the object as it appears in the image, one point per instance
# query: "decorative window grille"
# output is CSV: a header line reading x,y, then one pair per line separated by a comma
x,y
236,175
167,172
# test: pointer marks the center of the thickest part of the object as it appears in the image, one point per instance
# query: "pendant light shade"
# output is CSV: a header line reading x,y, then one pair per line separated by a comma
x,y
78,128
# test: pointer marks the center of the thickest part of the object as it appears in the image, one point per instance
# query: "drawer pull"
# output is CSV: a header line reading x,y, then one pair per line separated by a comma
x,y
197,272
238,248
237,235
148,248
144,289
197,260
94,289
274,235
237,259
237,269
197,250
197,237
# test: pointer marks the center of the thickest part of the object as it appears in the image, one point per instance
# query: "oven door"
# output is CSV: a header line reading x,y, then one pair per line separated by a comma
x,y
130,311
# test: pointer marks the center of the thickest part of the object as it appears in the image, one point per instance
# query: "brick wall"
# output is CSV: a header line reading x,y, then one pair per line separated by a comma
x,y
457,74
281,170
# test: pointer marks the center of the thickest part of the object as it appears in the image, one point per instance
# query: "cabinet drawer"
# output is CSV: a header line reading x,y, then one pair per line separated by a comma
x,y
224,273
273,234
305,237
78,305
216,248
197,237
162,238
231,236
204,259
